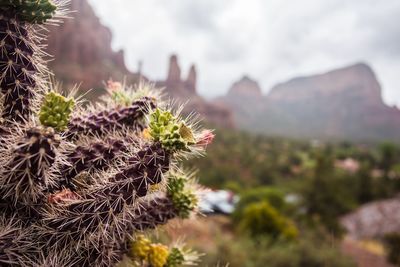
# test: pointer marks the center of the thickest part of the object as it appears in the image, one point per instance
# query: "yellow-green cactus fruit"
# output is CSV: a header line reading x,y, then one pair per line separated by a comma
x,y
170,131
55,111
158,255
140,248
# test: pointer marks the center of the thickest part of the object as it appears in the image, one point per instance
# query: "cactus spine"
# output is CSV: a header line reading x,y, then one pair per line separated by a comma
x,y
78,185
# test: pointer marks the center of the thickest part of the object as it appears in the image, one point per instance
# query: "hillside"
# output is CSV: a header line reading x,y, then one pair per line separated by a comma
x,y
342,104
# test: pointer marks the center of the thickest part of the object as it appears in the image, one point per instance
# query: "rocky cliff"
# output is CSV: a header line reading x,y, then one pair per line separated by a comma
x,y
177,86
83,53
185,91
341,104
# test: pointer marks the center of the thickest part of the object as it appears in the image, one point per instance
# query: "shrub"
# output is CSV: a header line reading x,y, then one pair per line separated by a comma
x,y
269,194
261,219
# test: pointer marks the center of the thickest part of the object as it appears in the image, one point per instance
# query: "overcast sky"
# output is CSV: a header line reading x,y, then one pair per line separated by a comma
x,y
270,40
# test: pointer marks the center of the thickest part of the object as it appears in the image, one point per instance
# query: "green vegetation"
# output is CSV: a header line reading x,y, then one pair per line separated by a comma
x,y
308,251
293,188
262,219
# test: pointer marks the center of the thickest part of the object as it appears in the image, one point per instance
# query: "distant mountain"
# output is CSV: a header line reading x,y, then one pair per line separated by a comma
x,y
246,101
341,104
83,55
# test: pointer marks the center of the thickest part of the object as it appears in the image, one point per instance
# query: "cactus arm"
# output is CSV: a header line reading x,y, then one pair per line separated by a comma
x,y
100,206
18,69
95,156
26,174
116,118
145,168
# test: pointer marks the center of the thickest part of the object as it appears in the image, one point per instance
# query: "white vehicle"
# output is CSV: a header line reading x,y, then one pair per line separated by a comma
x,y
218,201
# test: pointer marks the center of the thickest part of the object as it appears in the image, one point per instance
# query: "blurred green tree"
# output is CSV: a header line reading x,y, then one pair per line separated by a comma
x,y
262,219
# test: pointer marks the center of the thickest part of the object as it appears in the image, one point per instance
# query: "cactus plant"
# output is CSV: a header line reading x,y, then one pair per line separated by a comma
x,y
78,185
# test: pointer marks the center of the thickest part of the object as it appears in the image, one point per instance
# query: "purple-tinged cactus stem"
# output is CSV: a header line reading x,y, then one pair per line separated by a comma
x,y
18,69
95,156
32,157
114,119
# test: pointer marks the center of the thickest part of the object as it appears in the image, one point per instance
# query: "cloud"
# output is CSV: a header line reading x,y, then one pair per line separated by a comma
x,y
271,41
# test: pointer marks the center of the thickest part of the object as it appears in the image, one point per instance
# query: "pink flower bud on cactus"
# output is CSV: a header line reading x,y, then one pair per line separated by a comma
x,y
206,138
113,86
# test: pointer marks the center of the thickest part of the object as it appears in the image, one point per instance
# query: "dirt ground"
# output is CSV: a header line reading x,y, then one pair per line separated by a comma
x,y
362,256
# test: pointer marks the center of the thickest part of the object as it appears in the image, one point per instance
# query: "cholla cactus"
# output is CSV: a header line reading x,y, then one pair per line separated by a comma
x,y
78,185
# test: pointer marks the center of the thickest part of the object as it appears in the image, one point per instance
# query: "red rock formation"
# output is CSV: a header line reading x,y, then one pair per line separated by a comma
x,y
174,71
185,91
174,85
191,80
83,53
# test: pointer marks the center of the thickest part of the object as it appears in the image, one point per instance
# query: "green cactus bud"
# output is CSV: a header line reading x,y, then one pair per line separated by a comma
x,y
55,111
36,11
175,258
171,132
32,11
184,200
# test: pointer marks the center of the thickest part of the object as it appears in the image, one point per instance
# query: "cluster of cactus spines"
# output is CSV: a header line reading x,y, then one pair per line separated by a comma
x,y
78,184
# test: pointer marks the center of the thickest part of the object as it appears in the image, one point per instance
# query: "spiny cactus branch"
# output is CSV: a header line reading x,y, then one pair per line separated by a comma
x,y
117,118
94,156
76,185
26,174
